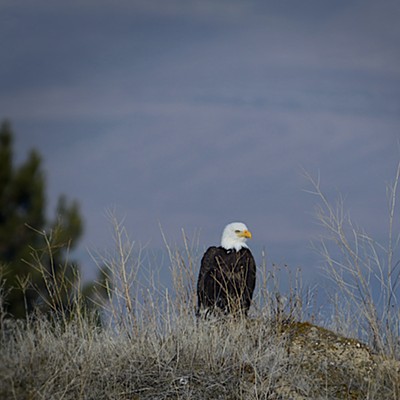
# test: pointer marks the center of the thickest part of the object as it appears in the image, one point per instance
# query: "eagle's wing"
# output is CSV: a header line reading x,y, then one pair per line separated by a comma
x,y
206,281
250,279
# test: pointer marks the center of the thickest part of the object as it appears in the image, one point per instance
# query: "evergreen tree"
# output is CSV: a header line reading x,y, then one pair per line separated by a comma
x,y
35,267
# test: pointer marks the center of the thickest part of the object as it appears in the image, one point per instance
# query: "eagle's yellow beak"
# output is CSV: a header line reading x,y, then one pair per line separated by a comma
x,y
245,233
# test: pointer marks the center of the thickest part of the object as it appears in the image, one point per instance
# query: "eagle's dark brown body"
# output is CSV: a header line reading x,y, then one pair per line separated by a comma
x,y
226,281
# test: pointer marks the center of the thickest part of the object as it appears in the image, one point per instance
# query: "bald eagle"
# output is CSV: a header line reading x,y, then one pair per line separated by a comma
x,y
227,274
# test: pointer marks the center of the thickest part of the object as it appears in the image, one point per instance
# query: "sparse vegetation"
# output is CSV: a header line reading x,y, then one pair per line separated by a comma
x,y
365,272
150,345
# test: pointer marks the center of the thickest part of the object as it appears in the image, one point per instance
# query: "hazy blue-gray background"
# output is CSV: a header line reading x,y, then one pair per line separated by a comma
x,y
193,114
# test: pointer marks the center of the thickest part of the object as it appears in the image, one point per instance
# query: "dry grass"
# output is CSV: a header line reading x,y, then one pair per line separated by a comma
x,y
206,361
225,359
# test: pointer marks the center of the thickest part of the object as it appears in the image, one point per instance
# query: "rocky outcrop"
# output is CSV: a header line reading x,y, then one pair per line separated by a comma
x,y
331,366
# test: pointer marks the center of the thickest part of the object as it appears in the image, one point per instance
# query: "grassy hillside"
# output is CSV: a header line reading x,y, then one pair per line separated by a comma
x,y
183,359
151,346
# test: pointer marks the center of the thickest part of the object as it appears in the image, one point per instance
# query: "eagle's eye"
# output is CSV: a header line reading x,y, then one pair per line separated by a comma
x,y
237,231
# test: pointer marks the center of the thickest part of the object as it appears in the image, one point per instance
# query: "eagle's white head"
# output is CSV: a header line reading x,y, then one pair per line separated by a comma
x,y
235,236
